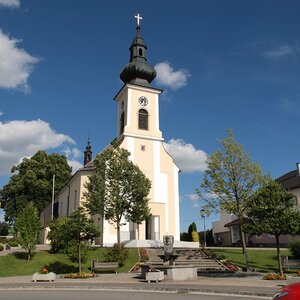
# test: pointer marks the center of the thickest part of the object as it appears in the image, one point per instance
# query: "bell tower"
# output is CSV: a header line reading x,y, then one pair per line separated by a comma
x,y
139,132
138,107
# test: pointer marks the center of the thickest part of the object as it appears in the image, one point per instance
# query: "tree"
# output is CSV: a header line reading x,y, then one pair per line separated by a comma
x,y
28,227
118,190
69,234
272,210
231,179
4,227
193,233
32,181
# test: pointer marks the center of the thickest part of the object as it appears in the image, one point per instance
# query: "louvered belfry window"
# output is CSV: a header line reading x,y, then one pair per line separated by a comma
x,y
143,119
122,123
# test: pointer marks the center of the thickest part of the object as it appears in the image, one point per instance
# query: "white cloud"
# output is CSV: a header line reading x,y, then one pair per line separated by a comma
x,y
193,197
74,152
23,138
15,64
76,165
166,76
10,3
1,113
72,155
186,156
279,52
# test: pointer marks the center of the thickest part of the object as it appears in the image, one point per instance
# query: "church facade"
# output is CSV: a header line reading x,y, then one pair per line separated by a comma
x,y
138,131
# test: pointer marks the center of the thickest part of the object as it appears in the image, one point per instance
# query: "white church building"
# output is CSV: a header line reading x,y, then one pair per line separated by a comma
x,y
138,131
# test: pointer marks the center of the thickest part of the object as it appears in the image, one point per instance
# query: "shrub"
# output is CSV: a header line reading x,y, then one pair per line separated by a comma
x,y
295,248
4,227
195,236
3,240
184,236
1,248
117,253
12,243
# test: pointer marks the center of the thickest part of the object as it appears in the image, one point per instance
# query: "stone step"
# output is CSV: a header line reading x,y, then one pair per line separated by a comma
x,y
188,257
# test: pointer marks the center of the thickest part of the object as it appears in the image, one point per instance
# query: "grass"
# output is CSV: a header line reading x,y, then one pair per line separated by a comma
x,y
262,260
17,264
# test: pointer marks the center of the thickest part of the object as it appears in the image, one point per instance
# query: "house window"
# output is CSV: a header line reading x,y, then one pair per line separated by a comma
x,y
143,147
140,52
143,119
55,210
122,123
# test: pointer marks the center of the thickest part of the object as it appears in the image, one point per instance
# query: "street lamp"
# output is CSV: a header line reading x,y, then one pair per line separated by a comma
x,y
52,202
203,215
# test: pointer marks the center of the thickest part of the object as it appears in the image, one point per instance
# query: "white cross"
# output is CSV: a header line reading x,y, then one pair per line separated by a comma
x,y
138,19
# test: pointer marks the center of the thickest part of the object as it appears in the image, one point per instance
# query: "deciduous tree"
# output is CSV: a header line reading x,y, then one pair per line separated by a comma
x,y
32,181
272,210
69,234
28,227
118,190
231,178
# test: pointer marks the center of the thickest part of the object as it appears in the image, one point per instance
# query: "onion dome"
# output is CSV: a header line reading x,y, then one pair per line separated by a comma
x,y
87,153
138,71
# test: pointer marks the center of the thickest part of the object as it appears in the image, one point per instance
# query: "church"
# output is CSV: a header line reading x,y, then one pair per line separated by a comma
x,y
138,131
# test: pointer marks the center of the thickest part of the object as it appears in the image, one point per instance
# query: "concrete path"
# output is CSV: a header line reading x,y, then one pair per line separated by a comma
x,y
40,247
235,284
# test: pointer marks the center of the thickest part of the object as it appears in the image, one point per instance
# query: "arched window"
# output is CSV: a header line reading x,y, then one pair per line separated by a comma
x,y
140,52
122,122
143,119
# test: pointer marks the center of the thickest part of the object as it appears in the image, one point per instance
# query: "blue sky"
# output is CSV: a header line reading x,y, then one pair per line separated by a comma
x,y
222,64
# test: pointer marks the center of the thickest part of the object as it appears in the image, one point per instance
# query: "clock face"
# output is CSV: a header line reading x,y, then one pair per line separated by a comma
x,y
143,101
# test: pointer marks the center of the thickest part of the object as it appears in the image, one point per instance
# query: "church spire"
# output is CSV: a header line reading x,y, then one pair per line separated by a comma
x,y
87,153
138,71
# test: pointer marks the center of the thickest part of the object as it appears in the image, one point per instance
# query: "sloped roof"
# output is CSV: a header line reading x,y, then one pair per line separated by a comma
x,y
232,223
290,180
88,167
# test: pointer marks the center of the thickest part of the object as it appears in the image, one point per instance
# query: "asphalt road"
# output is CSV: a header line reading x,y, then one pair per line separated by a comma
x,y
110,295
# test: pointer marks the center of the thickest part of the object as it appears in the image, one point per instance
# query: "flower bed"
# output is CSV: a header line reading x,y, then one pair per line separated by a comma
x,y
79,276
274,276
229,265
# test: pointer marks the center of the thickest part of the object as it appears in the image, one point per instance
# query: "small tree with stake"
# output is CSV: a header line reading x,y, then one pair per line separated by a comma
x,y
28,226
69,234
272,210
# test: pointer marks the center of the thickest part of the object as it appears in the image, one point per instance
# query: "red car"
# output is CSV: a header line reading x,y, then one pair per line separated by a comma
x,y
289,292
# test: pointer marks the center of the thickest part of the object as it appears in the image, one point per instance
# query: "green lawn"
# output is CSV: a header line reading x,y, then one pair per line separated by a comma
x,y
17,264
261,260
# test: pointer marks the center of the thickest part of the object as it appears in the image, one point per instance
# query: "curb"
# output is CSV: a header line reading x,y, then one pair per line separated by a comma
x,y
146,288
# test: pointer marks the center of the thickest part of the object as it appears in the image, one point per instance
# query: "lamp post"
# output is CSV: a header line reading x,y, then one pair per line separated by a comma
x,y
52,203
203,215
